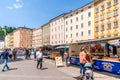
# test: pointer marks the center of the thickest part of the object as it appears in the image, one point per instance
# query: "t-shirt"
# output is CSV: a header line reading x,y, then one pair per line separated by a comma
x,y
82,57
39,54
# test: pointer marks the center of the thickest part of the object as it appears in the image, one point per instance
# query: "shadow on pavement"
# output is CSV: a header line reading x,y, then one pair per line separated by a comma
x,y
13,69
44,68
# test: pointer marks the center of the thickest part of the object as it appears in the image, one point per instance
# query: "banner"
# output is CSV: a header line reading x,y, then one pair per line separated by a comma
x,y
108,66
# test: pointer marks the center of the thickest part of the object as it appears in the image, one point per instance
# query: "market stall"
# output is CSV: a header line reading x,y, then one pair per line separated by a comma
x,y
105,54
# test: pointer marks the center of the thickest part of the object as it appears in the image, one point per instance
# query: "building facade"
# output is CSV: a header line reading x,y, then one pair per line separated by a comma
x,y
79,24
2,44
9,41
57,30
46,34
107,18
37,38
23,37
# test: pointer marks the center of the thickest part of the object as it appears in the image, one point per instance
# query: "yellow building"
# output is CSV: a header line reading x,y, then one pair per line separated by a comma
x,y
106,18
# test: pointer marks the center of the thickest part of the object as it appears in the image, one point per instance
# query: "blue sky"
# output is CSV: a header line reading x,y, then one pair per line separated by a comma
x,y
34,13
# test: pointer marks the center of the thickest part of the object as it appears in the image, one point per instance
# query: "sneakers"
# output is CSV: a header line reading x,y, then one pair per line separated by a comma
x,y
3,70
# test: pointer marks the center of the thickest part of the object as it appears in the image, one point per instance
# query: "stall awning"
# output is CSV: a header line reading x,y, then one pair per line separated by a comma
x,y
62,47
114,42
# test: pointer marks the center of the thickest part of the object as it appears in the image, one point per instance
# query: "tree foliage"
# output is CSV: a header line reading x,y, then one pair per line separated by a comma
x,y
6,30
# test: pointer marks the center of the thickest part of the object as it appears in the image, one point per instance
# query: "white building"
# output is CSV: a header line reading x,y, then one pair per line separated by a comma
x,y
79,24
57,30
37,38
2,44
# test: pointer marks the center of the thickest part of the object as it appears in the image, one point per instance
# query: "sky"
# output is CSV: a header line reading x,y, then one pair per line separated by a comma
x,y
34,13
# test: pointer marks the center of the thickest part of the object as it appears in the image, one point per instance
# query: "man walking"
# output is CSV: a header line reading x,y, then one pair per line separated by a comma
x,y
5,56
39,56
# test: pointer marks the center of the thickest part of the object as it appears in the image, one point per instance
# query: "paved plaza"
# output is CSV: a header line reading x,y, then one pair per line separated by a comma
x,y
22,69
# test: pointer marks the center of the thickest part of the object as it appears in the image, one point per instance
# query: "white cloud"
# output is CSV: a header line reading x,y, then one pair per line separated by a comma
x,y
17,6
9,7
18,0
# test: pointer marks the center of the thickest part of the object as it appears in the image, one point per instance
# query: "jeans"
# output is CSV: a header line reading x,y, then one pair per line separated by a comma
x,y
81,68
39,62
5,64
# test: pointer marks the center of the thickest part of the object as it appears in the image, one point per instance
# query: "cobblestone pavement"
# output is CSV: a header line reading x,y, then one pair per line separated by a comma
x,y
26,70
74,72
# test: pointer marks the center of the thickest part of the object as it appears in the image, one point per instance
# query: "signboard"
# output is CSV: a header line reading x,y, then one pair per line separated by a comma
x,y
108,66
58,61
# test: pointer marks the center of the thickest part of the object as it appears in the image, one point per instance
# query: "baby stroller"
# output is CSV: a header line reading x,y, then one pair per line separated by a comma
x,y
88,72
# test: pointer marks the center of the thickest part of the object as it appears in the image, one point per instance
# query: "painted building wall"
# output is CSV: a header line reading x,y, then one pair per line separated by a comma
x,y
37,38
57,30
107,18
46,34
79,24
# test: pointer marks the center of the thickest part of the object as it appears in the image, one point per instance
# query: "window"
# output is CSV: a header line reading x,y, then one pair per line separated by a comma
x,y
115,12
82,25
61,27
71,28
115,34
89,23
82,10
71,20
102,27
66,29
102,36
97,29
71,35
77,34
108,14
89,14
89,32
89,7
66,36
102,16
116,24
109,36
115,1
76,18
97,10
55,29
66,22
52,30
102,7
81,17
82,33
97,19
76,26
109,25
108,4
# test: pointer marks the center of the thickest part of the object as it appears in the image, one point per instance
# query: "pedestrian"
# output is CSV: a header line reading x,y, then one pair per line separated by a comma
x,y
10,54
14,54
66,58
26,54
83,60
39,57
5,56
35,50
